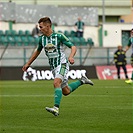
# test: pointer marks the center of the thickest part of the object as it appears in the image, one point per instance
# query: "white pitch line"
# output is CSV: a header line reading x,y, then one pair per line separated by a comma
x,y
116,87
70,95
26,95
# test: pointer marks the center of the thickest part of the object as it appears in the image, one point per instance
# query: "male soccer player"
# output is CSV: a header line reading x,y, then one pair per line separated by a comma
x,y
53,43
130,44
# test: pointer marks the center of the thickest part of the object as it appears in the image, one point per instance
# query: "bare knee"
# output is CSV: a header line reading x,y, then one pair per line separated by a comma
x,y
57,83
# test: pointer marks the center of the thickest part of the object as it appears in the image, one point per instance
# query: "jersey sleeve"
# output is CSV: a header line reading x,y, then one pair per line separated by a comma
x,y
40,47
129,42
66,41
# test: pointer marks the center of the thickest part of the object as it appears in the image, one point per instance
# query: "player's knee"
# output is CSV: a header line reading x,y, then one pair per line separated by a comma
x,y
56,84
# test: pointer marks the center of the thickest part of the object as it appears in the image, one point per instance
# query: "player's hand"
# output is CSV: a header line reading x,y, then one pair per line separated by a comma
x,y
25,67
71,60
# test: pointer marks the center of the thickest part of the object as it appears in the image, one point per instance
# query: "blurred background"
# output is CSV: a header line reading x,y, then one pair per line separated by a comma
x,y
107,25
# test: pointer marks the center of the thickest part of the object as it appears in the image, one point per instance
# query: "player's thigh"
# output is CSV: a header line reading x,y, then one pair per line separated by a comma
x,y
61,73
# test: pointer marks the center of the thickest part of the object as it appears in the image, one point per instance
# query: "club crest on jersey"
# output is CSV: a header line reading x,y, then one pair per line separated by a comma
x,y
50,47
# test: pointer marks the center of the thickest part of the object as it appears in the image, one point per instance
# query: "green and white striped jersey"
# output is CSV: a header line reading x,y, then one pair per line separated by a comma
x,y
130,42
54,48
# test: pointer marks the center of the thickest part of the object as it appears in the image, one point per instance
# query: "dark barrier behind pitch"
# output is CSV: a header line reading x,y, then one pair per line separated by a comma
x,y
16,73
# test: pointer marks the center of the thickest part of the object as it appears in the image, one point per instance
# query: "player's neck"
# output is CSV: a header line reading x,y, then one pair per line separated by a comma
x,y
49,33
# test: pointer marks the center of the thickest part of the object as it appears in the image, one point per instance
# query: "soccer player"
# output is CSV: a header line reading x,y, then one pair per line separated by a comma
x,y
53,43
130,44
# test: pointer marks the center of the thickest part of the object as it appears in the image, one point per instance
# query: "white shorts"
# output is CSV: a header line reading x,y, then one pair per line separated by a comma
x,y
61,72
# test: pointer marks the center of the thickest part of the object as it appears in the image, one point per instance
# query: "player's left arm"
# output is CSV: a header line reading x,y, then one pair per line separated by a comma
x,y
72,54
69,44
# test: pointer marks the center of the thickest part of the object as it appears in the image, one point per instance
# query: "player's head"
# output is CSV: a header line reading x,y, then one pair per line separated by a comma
x,y
45,20
131,32
45,25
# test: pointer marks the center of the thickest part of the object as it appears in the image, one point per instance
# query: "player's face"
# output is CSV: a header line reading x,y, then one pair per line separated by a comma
x,y
44,28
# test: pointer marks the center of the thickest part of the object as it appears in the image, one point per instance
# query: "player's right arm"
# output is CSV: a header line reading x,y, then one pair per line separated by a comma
x,y
33,57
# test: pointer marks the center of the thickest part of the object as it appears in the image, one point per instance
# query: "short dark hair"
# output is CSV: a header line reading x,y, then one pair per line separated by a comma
x,y
45,20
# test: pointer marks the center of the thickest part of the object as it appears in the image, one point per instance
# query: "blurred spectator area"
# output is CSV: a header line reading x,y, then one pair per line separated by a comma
x,y
114,10
22,15
59,15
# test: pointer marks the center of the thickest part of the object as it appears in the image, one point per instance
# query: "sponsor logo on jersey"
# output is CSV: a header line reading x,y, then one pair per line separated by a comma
x,y
50,47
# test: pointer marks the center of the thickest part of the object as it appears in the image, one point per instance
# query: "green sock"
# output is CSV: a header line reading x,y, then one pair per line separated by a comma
x,y
74,85
57,97
132,76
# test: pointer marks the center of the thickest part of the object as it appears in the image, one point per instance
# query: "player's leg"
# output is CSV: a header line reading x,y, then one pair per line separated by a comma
x,y
67,89
59,74
57,91
61,81
57,97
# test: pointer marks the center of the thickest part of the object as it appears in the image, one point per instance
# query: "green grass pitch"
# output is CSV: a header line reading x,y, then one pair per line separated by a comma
x,y
105,107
